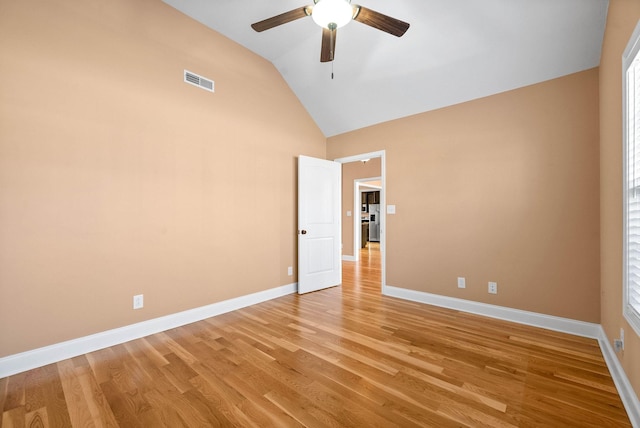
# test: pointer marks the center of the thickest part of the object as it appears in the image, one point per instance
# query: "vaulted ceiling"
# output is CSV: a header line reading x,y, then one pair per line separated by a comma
x,y
454,51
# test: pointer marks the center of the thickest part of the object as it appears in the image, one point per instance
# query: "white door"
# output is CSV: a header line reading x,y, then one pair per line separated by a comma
x,y
319,228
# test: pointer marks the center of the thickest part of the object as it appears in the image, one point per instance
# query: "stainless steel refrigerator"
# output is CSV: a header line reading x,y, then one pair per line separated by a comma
x,y
374,223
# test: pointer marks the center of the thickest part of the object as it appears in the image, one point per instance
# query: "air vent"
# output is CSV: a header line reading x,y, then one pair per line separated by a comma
x,y
200,81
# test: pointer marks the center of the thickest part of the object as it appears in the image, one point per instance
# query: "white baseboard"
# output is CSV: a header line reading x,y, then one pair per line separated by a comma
x,y
348,258
24,361
565,325
627,394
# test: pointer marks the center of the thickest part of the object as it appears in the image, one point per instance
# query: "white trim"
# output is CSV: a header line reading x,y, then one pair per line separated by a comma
x,y
632,49
565,325
348,258
28,360
625,390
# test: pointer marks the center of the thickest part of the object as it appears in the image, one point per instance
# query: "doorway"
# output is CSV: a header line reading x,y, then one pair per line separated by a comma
x,y
351,211
366,225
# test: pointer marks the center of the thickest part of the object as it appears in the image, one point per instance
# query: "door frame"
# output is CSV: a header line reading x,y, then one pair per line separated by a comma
x,y
383,206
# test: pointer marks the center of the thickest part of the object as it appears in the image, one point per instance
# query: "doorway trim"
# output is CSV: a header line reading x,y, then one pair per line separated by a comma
x,y
383,206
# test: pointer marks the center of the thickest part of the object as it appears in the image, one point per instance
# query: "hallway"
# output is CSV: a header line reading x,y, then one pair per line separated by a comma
x,y
366,273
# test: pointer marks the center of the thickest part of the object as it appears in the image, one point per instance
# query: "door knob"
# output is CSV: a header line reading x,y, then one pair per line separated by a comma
x,y
303,232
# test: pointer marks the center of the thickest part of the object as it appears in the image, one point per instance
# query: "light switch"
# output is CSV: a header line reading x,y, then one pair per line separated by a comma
x,y
391,209
348,213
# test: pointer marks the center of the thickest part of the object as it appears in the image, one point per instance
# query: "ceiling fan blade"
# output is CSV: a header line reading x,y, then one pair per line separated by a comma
x,y
328,51
283,18
380,21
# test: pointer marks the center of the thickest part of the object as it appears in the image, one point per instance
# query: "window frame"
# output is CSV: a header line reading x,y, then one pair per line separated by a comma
x,y
631,52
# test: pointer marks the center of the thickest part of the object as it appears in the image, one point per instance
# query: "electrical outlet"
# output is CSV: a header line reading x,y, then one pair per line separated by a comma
x,y
138,301
493,288
617,345
290,271
461,282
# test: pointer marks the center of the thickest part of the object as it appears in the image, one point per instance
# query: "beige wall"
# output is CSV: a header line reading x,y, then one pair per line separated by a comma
x,y
116,178
503,189
350,172
621,20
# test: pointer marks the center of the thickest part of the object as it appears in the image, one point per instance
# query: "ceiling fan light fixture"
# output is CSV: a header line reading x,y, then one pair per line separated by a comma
x,y
332,14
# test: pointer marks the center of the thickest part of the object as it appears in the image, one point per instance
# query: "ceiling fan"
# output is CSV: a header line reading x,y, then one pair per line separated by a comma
x,y
331,15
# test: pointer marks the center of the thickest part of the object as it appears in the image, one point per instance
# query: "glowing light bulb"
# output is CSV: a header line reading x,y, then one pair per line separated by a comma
x,y
327,12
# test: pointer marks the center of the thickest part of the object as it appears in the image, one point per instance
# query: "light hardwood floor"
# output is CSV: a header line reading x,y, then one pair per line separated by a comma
x,y
346,356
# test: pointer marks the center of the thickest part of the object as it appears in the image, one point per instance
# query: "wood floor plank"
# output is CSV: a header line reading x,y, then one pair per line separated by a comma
x,y
14,418
257,403
79,411
57,410
122,406
101,413
345,356
15,392
360,396
3,395
34,394
213,392
37,419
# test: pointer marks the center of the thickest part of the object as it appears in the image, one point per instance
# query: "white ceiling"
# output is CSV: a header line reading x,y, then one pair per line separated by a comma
x,y
454,51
